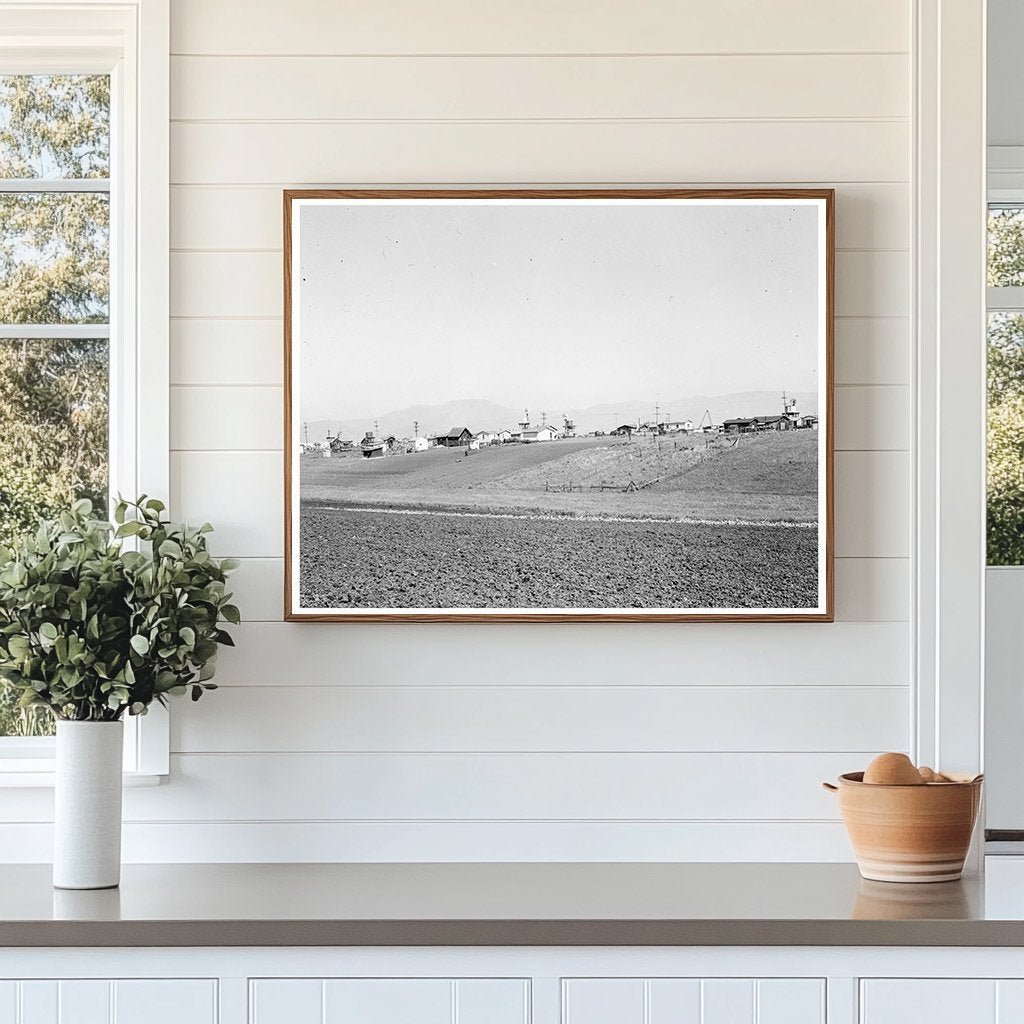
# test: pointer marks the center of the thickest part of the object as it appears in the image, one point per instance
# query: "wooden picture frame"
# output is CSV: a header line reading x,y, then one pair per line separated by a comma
x,y
358,523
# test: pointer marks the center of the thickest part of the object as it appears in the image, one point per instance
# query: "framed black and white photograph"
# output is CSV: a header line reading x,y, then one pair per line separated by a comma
x,y
559,405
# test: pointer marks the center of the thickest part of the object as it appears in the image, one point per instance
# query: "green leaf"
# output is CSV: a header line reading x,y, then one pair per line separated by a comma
x,y
232,614
170,549
140,644
48,631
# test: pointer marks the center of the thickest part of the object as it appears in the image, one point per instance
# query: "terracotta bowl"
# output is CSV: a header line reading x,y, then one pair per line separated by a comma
x,y
909,833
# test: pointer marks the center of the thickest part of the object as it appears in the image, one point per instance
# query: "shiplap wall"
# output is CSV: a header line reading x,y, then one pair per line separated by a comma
x,y
691,741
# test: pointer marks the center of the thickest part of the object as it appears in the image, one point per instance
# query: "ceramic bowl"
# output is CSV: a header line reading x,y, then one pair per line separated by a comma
x,y
909,833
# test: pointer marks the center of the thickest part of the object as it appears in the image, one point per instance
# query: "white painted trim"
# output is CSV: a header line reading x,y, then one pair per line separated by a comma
x,y
950,381
55,331
62,185
1004,299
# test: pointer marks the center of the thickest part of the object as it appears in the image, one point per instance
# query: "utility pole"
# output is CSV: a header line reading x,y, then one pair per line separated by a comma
x,y
416,428
543,419
656,414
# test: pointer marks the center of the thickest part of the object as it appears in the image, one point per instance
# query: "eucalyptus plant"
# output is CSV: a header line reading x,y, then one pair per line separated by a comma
x,y
98,619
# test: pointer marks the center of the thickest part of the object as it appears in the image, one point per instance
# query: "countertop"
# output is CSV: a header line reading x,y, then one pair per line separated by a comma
x,y
559,904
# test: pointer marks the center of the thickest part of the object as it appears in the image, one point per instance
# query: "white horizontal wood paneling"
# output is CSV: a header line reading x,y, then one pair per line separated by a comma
x,y
871,350
205,284
702,741
212,352
873,216
578,26
875,418
693,1000
539,151
212,418
537,88
869,489
872,589
224,418
463,842
867,589
548,718
580,654
241,493
502,786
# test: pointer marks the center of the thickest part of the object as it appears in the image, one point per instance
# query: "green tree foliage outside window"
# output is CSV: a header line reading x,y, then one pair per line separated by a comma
x,y
1005,486
54,270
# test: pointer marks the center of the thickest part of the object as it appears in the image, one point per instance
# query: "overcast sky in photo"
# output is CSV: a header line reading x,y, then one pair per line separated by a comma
x,y
552,306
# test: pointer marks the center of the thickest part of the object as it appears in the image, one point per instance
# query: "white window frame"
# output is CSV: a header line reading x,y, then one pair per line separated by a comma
x,y
130,41
1004,720
948,456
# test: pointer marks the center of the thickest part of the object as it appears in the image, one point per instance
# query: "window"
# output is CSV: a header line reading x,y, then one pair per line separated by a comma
x,y
84,124
54,309
1005,498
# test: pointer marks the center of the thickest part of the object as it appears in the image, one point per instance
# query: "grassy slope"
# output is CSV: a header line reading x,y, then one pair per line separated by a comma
x,y
768,476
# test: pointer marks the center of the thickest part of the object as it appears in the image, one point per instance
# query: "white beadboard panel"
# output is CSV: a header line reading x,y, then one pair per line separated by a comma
x,y
538,88
39,1002
674,1000
790,1001
693,1001
249,284
388,1001
874,216
286,1001
937,1001
727,1001
464,842
85,1002
873,589
577,654
535,719
8,1002
867,589
873,283
550,151
872,350
492,1001
577,26
150,1001
238,352
501,786
241,493
872,503
603,1001
874,418
234,418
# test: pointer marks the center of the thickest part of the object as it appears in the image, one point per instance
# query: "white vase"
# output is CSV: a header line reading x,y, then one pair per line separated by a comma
x,y
87,808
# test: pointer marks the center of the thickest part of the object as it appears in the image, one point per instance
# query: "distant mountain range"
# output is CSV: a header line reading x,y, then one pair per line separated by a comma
x,y
480,414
